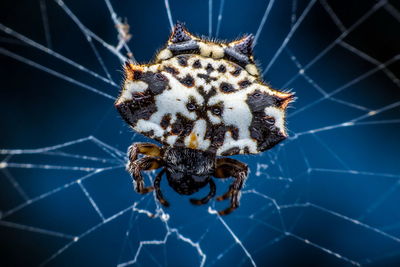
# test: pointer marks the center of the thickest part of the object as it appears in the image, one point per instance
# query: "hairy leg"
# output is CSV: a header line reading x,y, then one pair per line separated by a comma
x,y
143,164
225,168
147,149
159,194
205,199
135,165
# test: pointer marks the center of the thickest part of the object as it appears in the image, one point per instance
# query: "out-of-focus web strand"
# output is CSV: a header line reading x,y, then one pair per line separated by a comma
x,y
45,21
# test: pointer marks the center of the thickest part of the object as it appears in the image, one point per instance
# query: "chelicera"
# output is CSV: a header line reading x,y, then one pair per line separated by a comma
x,y
202,101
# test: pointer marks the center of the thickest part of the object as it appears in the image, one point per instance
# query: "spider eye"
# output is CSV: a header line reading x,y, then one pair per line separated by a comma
x,y
216,111
270,120
257,94
191,106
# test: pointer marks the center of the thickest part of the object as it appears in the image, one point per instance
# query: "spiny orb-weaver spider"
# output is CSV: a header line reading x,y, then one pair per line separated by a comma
x,y
201,100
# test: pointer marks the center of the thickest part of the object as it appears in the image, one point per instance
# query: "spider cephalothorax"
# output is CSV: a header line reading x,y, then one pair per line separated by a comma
x,y
201,100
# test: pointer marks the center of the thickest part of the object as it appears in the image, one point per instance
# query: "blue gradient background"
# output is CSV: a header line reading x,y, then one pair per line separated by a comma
x,y
39,110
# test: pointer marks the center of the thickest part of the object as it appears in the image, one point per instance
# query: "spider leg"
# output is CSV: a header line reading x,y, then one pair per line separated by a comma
x,y
143,164
135,166
156,184
227,167
147,149
205,199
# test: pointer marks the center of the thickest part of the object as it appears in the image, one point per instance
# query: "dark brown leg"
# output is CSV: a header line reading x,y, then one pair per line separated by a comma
x,y
227,167
143,164
205,199
159,194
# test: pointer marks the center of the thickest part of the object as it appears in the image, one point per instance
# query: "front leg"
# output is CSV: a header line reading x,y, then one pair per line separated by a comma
x,y
227,167
143,164
147,149
135,166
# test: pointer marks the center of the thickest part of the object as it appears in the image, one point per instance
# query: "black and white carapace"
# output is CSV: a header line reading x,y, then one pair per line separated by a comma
x,y
201,100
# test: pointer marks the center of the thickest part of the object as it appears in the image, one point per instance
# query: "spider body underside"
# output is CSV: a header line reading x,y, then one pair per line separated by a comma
x,y
200,100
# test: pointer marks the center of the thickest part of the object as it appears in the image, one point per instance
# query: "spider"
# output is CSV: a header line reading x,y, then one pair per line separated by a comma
x,y
201,100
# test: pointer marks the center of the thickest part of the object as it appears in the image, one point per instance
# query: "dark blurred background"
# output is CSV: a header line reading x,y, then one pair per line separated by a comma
x,y
337,189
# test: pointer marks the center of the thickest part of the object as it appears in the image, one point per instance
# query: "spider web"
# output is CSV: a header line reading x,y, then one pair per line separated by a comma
x,y
326,196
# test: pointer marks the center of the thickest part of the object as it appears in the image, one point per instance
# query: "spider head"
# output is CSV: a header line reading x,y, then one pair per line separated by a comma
x,y
187,169
186,183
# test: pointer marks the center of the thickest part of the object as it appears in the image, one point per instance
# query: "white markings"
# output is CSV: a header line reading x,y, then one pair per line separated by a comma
x,y
241,143
136,86
164,54
171,139
172,101
252,69
196,138
144,126
213,119
238,114
211,50
279,117
130,88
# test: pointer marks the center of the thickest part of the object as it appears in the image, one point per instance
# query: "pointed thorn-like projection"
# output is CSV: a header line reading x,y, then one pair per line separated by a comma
x,y
180,34
285,99
128,64
244,45
132,71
